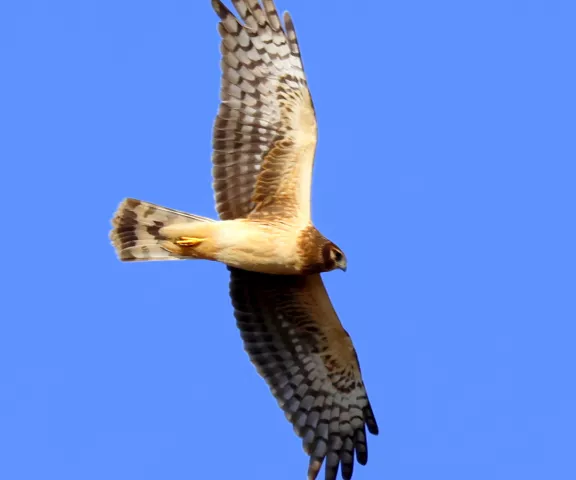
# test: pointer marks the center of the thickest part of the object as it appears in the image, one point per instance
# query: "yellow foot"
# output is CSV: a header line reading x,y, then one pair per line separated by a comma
x,y
188,241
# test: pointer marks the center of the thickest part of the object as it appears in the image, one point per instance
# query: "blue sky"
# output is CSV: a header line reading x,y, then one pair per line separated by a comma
x,y
445,170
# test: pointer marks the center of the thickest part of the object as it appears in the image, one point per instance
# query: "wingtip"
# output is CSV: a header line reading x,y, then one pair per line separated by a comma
x,y
291,33
272,14
314,467
288,20
220,9
372,425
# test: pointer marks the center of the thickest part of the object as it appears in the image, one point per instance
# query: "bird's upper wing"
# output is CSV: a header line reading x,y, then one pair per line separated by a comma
x,y
265,131
297,343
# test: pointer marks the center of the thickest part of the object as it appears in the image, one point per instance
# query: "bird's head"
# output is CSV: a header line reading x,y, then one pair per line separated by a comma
x,y
333,257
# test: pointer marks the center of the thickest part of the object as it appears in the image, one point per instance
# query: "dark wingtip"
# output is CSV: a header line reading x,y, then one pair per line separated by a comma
x,y
314,467
371,420
220,9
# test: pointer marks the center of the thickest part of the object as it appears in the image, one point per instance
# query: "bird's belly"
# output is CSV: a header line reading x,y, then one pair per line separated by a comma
x,y
258,248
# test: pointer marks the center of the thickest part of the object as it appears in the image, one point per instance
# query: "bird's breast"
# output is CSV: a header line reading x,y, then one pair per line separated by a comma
x,y
258,247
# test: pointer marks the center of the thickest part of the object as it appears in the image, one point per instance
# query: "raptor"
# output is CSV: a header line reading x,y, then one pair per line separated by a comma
x,y
264,141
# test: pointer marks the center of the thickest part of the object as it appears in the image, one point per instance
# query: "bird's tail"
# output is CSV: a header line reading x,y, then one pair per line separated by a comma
x,y
137,231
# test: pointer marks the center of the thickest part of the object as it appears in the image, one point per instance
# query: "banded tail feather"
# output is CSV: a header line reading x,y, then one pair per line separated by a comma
x,y
137,231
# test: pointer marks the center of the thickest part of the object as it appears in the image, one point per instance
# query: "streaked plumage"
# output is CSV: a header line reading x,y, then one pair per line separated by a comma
x,y
264,142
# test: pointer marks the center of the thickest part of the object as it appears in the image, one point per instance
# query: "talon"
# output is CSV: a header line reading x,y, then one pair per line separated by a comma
x,y
188,241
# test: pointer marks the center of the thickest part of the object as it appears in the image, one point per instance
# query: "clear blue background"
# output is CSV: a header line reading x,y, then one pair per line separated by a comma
x,y
445,170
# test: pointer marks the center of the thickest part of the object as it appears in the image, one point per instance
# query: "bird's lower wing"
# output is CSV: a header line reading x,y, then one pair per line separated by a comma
x,y
297,343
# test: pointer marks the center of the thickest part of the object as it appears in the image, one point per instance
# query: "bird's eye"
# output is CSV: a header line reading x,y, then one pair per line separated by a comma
x,y
337,255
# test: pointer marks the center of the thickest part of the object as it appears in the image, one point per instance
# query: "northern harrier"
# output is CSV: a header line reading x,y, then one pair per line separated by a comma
x,y
264,144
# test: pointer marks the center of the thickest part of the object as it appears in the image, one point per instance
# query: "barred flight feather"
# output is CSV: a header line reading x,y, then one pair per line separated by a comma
x,y
265,131
297,343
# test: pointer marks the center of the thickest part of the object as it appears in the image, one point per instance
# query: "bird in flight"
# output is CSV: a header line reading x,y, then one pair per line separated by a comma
x,y
264,142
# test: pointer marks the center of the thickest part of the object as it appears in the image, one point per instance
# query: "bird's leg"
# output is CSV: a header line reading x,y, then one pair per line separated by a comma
x,y
183,246
188,241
